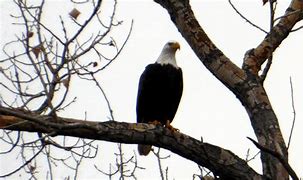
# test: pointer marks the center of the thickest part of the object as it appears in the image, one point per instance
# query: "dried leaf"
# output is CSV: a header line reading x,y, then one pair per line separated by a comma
x,y
65,82
95,64
36,50
30,34
75,13
111,43
32,168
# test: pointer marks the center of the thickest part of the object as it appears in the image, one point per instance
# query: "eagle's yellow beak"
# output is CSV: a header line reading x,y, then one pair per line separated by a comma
x,y
176,45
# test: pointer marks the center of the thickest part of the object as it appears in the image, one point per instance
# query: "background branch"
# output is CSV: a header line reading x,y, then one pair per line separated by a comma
x,y
294,112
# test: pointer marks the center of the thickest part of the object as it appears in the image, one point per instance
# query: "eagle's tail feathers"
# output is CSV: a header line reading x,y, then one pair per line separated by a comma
x,y
144,149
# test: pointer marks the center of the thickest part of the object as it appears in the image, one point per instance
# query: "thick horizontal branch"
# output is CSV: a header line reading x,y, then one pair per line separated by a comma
x,y
222,162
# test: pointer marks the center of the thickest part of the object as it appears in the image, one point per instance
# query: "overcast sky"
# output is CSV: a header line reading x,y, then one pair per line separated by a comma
x,y
207,109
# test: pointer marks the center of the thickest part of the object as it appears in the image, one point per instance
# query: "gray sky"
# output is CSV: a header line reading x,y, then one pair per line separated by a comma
x,y
207,108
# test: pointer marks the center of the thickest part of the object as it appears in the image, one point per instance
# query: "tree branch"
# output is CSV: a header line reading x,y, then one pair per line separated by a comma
x,y
244,83
222,162
294,112
283,161
246,19
256,57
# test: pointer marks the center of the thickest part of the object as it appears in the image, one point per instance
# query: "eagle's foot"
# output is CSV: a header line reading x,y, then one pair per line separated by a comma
x,y
170,127
155,122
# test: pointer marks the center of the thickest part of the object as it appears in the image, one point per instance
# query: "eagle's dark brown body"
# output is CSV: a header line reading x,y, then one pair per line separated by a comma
x,y
159,94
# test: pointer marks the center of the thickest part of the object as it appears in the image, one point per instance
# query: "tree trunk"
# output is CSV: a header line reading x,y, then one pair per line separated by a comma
x,y
243,82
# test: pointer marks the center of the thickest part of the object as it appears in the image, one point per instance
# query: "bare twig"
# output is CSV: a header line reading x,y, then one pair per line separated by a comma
x,y
247,159
275,154
11,142
23,165
247,20
121,161
294,112
297,29
272,8
159,158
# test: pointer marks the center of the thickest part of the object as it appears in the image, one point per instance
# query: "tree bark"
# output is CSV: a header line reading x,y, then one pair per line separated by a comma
x,y
243,82
222,162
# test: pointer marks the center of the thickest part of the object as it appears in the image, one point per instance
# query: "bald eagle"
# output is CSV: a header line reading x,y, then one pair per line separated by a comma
x,y
160,90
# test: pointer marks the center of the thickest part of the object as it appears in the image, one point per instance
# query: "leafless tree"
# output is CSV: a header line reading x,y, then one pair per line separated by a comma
x,y
36,78
54,67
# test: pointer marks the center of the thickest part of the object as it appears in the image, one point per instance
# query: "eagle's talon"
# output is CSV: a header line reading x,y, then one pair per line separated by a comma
x,y
155,122
170,127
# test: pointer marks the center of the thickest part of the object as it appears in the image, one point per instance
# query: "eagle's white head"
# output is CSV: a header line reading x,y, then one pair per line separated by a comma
x,y
168,52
